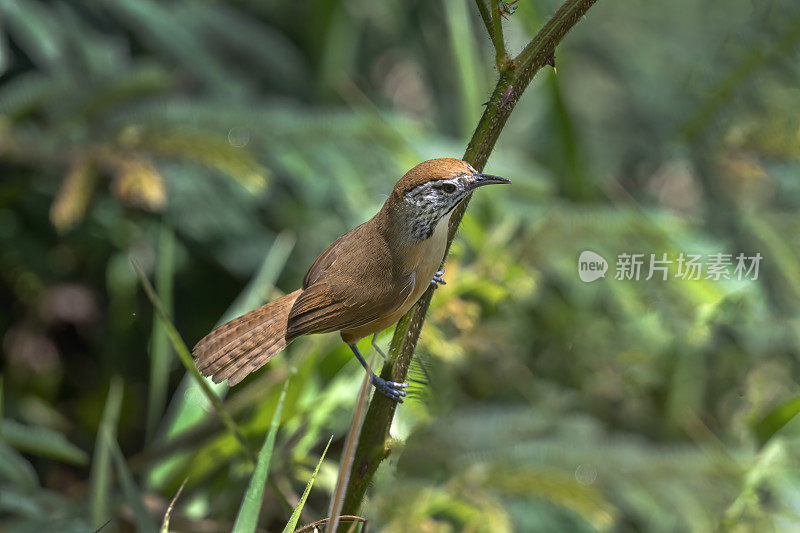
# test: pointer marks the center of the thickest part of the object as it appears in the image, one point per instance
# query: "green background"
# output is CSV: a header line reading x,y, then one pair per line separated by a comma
x,y
224,145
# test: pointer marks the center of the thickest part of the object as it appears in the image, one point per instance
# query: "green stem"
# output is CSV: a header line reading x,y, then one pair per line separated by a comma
x,y
497,36
160,353
373,444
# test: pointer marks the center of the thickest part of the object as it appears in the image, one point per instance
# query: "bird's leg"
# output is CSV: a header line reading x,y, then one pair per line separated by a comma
x,y
391,389
438,279
375,345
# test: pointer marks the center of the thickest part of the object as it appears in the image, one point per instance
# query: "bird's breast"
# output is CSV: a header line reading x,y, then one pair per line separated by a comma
x,y
424,258
420,261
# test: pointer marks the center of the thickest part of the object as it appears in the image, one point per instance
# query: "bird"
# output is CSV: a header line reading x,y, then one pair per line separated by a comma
x,y
361,284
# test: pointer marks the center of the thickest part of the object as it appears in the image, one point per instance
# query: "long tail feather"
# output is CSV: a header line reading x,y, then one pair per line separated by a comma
x,y
241,346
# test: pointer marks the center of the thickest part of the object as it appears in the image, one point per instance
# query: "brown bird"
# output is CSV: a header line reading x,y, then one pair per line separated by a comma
x,y
362,284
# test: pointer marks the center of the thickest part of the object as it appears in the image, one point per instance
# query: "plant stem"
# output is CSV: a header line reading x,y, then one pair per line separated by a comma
x,y
487,20
496,34
374,441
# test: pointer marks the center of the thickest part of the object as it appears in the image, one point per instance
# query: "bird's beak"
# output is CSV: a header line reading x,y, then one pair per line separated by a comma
x,y
479,180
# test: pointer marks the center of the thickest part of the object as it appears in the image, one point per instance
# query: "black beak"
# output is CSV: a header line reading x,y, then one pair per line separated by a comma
x,y
486,179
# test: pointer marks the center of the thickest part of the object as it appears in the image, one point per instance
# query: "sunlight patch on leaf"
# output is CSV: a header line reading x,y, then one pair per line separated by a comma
x,y
228,154
137,182
73,196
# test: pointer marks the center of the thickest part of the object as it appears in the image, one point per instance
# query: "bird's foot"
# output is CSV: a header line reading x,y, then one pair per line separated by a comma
x,y
393,390
438,279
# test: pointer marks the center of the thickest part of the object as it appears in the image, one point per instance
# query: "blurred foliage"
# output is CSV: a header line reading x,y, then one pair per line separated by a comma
x,y
219,143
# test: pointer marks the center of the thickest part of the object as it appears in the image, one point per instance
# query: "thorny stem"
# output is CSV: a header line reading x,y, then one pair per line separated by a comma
x,y
497,36
373,446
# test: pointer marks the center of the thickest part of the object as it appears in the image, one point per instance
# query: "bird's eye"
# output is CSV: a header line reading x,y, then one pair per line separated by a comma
x,y
448,187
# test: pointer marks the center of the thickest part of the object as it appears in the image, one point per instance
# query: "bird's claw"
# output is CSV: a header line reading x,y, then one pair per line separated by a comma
x,y
438,279
393,390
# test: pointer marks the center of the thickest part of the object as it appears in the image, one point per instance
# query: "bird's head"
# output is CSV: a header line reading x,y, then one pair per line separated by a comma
x,y
430,191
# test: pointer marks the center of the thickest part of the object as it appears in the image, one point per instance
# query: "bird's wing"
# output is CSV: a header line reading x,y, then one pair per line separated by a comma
x,y
352,283
327,258
325,307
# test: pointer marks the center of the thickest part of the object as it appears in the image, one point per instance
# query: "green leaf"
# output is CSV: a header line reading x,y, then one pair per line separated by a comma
x,y
182,413
160,26
5,54
144,522
472,85
258,289
247,519
186,358
43,442
19,500
15,468
290,526
776,419
36,31
160,355
100,477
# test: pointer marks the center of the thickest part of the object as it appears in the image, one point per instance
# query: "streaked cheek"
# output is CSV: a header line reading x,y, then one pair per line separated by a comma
x,y
431,199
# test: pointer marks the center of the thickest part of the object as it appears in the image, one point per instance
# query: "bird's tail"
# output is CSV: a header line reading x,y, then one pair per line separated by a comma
x,y
247,343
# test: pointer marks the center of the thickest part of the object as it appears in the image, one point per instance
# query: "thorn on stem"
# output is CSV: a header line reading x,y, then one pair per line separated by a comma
x,y
551,60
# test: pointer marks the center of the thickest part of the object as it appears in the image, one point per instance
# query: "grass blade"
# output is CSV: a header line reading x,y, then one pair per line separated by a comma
x,y
776,419
100,477
160,348
257,290
170,507
468,64
297,510
184,414
144,523
247,518
186,358
43,442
